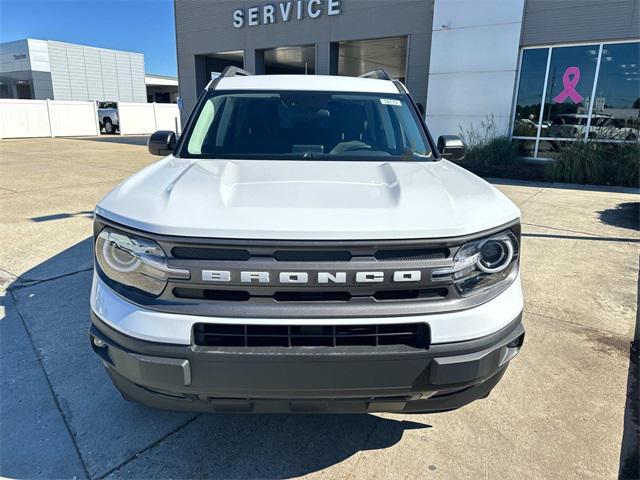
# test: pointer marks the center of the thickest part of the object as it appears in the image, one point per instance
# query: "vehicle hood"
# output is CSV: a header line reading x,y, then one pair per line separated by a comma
x,y
315,200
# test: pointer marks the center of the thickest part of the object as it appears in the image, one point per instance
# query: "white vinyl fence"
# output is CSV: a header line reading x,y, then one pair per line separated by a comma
x,y
56,118
142,118
24,118
69,119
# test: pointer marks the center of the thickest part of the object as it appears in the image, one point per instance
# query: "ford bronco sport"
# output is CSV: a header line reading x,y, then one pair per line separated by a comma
x,y
305,246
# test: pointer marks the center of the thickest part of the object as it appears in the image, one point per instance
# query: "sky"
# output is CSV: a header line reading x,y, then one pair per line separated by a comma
x,y
144,26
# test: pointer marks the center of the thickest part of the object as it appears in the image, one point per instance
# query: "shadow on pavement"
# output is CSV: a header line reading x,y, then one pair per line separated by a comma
x,y
625,215
265,446
60,216
126,140
630,449
117,437
78,258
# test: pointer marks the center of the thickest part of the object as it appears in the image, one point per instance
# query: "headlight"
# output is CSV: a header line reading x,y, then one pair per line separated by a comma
x,y
495,254
482,263
134,261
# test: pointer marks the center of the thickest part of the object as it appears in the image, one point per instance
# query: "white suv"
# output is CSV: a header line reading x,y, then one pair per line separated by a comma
x,y
305,246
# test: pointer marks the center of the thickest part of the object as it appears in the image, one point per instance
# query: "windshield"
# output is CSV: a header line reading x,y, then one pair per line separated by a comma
x,y
307,126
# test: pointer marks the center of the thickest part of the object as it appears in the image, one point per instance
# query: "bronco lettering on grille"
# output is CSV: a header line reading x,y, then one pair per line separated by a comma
x,y
223,276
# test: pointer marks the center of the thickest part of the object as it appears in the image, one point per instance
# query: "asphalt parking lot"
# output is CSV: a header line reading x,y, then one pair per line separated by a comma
x,y
567,407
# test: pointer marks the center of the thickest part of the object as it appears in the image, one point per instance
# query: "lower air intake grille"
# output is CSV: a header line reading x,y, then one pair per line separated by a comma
x,y
225,335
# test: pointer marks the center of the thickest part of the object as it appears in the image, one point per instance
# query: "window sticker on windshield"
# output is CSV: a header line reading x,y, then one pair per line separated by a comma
x,y
391,101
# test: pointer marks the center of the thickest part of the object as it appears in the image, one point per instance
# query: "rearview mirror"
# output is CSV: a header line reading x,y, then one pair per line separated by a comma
x,y
451,147
162,142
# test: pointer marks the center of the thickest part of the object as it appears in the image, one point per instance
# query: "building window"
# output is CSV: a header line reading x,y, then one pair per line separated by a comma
x,y
528,103
585,92
5,92
616,110
572,72
23,89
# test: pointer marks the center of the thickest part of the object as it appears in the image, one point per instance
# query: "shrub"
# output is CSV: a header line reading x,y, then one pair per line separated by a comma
x,y
597,163
490,154
485,148
627,160
474,137
579,162
495,152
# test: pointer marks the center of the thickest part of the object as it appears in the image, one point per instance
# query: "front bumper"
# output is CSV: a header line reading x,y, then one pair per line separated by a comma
x,y
302,380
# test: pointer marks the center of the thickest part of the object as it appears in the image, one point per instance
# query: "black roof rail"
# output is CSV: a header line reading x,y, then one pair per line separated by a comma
x,y
400,86
379,74
230,71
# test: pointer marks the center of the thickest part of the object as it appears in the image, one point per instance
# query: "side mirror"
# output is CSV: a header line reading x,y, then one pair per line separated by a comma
x,y
162,142
451,147
420,108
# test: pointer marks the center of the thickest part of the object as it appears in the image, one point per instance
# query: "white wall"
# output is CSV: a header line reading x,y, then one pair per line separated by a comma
x,y
136,118
55,118
166,116
143,118
73,119
474,62
24,118
47,118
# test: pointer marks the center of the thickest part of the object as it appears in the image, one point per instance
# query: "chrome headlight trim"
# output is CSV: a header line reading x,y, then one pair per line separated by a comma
x,y
134,261
470,273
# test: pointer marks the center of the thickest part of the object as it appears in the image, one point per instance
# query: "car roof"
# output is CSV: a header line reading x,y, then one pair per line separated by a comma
x,y
574,115
316,83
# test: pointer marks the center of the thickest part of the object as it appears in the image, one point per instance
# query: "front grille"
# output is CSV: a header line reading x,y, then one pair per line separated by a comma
x,y
207,294
330,286
307,279
424,294
310,295
204,253
414,335
413,254
309,255
312,256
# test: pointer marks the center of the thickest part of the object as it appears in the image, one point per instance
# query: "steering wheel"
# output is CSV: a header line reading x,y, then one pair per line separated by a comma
x,y
353,146
356,148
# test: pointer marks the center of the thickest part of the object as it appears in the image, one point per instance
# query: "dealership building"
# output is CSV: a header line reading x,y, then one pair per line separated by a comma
x,y
46,69
543,72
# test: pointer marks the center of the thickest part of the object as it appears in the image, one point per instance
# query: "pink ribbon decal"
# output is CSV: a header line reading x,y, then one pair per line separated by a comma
x,y
570,80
